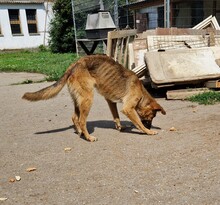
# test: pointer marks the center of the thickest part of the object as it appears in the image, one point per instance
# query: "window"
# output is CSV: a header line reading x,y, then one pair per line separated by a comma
x,y
160,20
14,21
31,20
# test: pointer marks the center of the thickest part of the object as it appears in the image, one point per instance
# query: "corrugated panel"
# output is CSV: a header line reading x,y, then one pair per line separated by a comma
x,y
22,1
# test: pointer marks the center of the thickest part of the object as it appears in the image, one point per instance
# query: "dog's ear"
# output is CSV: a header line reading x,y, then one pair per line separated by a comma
x,y
157,107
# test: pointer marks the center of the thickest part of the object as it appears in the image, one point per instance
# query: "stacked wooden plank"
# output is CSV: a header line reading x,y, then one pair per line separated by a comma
x,y
164,39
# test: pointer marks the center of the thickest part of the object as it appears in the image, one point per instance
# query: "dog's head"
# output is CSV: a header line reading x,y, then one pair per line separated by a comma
x,y
147,113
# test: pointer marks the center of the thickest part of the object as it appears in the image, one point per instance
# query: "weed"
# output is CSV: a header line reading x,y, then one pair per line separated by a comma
x,y
206,98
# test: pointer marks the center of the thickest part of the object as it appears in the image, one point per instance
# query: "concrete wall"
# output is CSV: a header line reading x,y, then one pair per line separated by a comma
x,y
25,40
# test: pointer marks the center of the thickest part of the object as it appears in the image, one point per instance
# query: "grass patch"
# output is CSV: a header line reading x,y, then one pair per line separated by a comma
x,y
206,98
51,64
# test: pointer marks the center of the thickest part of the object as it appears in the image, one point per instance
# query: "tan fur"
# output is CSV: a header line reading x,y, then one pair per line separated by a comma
x,y
111,80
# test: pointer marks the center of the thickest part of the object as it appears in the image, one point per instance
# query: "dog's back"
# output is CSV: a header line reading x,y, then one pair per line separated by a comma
x,y
111,79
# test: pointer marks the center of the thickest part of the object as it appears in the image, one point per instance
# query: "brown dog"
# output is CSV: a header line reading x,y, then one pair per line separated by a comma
x,y
114,82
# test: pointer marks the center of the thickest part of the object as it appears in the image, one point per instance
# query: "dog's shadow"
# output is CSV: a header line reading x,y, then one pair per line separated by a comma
x,y
104,124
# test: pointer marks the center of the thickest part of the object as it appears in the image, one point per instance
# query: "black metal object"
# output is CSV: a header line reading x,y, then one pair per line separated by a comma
x,y
95,44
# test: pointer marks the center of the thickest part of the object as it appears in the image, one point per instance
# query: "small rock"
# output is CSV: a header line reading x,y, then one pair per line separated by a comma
x,y
31,169
12,180
173,129
18,178
67,149
3,198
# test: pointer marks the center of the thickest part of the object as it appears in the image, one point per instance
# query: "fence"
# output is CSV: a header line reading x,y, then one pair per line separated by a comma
x,y
183,14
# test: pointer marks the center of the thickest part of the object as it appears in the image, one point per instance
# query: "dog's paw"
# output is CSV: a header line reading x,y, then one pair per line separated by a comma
x,y
92,139
120,128
151,132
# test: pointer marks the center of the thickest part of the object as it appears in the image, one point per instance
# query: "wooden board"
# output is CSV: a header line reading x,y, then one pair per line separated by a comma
x,y
168,42
117,45
184,93
182,66
213,84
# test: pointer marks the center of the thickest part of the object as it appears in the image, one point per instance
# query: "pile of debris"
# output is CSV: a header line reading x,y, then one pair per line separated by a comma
x,y
171,56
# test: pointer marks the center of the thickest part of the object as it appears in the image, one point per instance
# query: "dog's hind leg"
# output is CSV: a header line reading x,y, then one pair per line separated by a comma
x,y
75,119
84,108
114,111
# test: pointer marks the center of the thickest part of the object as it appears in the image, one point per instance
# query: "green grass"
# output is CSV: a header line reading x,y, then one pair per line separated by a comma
x,y
206,98
50,64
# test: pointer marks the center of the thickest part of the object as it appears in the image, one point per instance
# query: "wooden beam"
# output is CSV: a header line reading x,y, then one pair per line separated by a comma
x,y
213,84
183,94
121,33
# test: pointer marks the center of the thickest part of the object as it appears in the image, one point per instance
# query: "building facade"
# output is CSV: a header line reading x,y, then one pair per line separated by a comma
x,y
150,14
24,24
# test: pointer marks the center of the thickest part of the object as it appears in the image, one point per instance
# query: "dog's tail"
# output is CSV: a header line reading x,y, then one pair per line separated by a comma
x,y
50,91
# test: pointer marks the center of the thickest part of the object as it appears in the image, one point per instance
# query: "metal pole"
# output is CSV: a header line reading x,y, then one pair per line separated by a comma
x,y
116,13
127,12
101,5
74,25
167,13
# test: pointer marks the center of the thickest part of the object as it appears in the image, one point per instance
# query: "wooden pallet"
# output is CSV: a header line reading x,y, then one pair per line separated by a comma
x,y
117,45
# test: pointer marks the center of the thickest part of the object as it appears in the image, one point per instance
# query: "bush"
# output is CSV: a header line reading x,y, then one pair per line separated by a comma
x,y
61,28
43,48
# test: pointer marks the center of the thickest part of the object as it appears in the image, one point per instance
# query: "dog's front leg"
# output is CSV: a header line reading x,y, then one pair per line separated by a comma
x,y
133,116
114,111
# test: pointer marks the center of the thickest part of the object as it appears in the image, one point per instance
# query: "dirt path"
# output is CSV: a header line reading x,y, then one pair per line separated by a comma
x,y
174,167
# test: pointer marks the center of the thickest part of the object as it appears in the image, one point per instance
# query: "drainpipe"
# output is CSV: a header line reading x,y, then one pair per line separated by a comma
x,y
45,24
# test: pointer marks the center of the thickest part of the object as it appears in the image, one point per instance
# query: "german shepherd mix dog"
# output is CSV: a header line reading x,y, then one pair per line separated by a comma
x,y
114,82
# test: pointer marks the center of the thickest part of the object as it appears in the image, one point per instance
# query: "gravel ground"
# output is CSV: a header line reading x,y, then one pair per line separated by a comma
x,y
173,167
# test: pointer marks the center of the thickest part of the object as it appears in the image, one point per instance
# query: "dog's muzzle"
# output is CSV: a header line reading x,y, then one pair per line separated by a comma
x,y
147,123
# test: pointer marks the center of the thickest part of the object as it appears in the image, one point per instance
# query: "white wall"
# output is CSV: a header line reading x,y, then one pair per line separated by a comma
x,y
9,41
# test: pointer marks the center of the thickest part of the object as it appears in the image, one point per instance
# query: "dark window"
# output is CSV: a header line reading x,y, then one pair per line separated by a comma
x,y
160,16
14,21
197,12
31,20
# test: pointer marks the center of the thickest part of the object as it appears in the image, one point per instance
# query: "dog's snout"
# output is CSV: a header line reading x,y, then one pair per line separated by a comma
x,y
147,123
